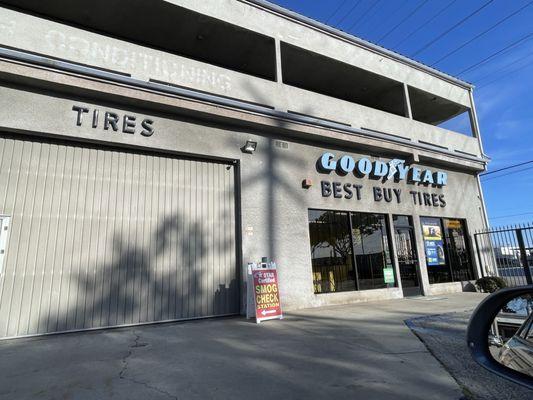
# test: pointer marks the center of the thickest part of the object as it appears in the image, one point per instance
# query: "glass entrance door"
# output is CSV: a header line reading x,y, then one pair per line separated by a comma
x,y
406,253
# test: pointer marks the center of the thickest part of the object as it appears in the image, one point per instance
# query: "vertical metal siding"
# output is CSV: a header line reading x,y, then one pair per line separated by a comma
x,y
101,237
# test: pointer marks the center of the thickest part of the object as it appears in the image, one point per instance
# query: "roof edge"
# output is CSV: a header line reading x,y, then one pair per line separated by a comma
x,y
356,40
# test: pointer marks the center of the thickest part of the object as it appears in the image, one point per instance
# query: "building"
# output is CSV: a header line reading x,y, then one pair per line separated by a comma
x,y
150,149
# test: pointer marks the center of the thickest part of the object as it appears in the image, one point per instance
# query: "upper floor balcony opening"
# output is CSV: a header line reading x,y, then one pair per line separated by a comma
x,y
437,111
317,73
165,26
210,41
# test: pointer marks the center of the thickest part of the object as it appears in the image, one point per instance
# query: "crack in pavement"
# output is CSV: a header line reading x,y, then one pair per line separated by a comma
x,y
151,387
122,373
128,355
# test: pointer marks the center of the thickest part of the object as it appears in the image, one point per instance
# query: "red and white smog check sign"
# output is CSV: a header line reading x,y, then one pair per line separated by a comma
x,y
266,294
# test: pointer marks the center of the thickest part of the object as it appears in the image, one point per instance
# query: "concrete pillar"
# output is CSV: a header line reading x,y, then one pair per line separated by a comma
x,y
473,119
281,100
407,102
477,134
422,263
279,72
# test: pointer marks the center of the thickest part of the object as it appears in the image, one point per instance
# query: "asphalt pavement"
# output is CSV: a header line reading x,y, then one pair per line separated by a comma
x,y
361,351
444,336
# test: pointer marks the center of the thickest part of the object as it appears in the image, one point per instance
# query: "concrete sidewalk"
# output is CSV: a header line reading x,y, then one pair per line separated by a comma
x,y
355,351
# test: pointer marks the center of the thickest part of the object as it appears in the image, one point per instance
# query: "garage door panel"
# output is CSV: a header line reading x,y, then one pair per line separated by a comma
x,y
12,288
42,264
42,218
102,237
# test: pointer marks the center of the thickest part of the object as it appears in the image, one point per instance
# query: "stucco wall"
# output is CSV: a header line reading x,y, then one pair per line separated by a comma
x,y
273,203
61,41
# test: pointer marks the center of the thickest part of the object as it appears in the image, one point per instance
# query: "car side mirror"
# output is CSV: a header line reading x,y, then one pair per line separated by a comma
x,y
500,334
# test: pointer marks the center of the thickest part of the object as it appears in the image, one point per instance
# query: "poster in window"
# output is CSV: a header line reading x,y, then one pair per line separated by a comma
x,y
388,275
433,242
453,224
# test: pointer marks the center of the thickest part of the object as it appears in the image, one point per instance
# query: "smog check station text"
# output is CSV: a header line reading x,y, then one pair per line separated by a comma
x,y
395,169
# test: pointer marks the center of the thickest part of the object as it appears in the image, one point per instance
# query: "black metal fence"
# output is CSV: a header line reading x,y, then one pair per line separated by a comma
x,y
507,252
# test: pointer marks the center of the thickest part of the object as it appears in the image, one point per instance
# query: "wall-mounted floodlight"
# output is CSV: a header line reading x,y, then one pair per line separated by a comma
x,y
307,183
249,147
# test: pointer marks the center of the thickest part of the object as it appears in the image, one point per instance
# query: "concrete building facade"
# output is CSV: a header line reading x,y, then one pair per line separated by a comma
x,y
150,149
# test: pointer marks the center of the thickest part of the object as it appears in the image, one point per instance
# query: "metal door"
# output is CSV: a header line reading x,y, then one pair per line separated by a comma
x,y
407,256
103,237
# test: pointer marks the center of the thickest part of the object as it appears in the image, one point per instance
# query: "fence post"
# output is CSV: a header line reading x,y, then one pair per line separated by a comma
x,y
523,256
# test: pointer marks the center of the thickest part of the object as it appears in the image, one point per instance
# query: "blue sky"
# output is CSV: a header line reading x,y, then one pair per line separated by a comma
x,y
504,84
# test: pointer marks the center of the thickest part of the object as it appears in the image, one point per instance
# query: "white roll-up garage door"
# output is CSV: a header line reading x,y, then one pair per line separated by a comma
x,y
102,237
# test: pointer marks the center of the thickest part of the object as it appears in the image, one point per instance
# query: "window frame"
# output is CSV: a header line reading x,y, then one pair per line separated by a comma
x,y
468,245
447,251
350,214
334,220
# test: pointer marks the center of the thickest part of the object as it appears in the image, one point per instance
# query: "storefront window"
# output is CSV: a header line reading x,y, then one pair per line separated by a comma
x,y
331,251
345,260
437,265
447,253
458,250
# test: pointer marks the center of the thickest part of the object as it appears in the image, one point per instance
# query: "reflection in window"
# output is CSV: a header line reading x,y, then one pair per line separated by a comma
x,y
331,251
436,260
447,251
457,249
334,251
371,249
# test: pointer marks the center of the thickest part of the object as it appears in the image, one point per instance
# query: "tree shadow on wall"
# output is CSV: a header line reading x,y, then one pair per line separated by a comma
x,y
170,273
